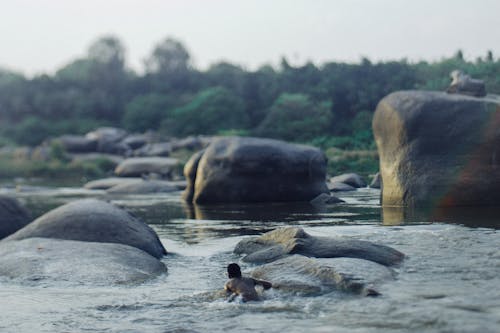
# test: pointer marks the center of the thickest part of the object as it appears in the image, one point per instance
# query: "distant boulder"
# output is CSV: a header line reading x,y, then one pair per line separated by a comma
x,y
13,216
463,84
144,187
77,143
351,179
91,220
438,149
109,140
237,169
139,166
36,260
154,149
340,187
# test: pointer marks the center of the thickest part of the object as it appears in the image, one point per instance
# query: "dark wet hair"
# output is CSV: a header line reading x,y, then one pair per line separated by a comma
x,y
233,271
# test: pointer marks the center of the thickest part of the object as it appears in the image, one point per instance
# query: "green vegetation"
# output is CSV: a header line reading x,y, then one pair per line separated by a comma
x,y
328,106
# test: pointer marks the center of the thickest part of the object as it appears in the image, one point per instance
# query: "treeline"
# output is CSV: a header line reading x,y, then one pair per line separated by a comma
x,y
327,105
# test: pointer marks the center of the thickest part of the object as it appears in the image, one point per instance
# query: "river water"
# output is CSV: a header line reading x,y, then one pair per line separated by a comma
x,y
449,281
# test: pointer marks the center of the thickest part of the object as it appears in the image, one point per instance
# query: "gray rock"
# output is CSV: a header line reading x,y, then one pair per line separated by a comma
x,y
155,149
325,199
306,276
465,85
106,183
282,242
13,216
93,220
77,143
138,166
351,179
234,169
84,157
340,187
136,141
438,149
36,260
109,140
144,187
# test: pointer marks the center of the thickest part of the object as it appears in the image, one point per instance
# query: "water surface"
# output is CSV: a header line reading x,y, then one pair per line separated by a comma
x,y
448,283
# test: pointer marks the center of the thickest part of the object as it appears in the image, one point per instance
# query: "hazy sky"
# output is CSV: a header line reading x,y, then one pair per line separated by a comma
x,y
42,35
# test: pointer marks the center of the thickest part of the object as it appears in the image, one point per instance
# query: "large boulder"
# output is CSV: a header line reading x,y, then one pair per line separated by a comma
x,y
235,169
36,260
306,276
155,149
438,149
93,220
283,242
139,166
13,216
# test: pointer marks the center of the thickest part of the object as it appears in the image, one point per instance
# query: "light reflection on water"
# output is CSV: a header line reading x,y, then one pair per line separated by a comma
x,y
449,282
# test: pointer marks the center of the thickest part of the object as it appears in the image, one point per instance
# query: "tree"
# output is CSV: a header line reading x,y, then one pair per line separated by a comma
x,y
146,112
295,117
168,57
211,111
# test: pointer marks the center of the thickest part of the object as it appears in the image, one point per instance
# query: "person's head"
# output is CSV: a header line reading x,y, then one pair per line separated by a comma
x,y
233,271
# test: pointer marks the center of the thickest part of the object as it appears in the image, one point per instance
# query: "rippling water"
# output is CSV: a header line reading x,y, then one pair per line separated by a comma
x,y
448,283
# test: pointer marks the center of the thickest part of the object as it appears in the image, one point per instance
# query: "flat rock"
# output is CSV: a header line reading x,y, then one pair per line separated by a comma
x,y
144,187
282,242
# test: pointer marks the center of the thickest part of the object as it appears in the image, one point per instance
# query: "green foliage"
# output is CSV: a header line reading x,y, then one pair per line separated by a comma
x,y
363,162
146,112
211,111
295,117
329,105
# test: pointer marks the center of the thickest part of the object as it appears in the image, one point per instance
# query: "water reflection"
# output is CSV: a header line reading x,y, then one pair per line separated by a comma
x,y
476,217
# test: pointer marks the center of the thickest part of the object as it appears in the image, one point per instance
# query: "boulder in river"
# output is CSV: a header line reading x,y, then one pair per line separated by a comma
x,y
13,216
282,242
351,179
438,149
106,183
237,169
77,143
35,260
93,220
139,166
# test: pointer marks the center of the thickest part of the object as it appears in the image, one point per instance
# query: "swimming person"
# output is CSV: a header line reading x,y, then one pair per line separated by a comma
x,y
243,286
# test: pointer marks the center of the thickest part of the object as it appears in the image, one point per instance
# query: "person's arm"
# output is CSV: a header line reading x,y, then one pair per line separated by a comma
x,y
263,283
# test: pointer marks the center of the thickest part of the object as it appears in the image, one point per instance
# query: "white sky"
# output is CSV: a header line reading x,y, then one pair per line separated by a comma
x,y
42,35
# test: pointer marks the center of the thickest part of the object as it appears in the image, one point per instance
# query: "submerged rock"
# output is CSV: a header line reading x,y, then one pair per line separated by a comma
x,y
438,149
325,199
75,262
93,220
306,276
13,216
235,169
282,242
